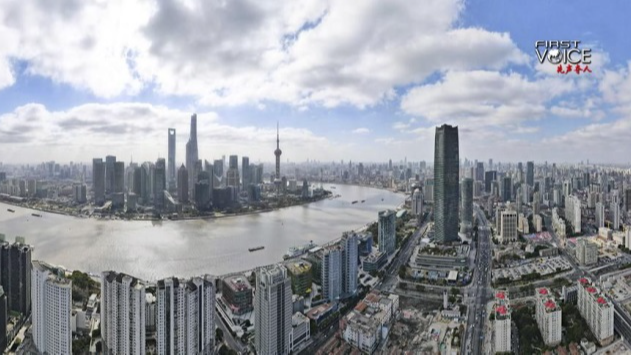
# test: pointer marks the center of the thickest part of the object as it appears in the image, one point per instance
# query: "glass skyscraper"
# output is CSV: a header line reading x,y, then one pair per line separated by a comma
x,y
446,184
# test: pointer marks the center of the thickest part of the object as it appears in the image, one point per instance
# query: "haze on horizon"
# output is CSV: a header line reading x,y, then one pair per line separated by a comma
x,y
109,78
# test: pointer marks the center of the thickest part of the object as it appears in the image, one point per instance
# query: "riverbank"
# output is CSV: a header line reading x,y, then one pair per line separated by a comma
x,y
178,218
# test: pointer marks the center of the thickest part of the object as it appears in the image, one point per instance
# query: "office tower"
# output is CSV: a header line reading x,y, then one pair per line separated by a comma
x,y
614,209
502,323
387,232
277,154
185,321
192,154
508,226
232,175
428,190
273,310
146,182
218,168
490,164
15,275
530,173
171,174
331,273
597,310
417,203
203,191
4,313
548,316
259,174
350,257
159,184
479,172
119,177
98,181
80,193
52,309
489,177
123,314
110,161
466,198
573,212
586,252
599,214
182,184
627,200
446,187
507,189
245,171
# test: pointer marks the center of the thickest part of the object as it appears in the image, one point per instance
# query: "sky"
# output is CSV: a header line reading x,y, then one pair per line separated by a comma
x,y
361,80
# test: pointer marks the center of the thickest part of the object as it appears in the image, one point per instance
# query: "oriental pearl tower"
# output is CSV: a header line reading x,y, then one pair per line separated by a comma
x,y
277,153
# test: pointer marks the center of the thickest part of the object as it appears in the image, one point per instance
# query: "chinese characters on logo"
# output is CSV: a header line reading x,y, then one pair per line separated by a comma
x,y
577,69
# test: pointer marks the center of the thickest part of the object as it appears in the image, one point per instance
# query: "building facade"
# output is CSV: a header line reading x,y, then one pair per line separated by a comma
x,y
502,323
597,310
387,232
446,187
273,311
548,316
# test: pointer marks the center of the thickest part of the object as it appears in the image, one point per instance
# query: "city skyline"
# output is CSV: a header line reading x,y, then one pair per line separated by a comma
x,y
93,89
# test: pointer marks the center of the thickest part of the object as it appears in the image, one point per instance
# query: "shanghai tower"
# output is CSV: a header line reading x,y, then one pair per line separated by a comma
x,y
191,153
446,184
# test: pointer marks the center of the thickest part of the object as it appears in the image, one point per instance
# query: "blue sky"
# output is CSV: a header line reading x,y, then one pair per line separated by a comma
x,y
367,82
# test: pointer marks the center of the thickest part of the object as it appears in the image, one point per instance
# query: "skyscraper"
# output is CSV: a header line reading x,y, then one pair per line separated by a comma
x,y
192,154
110,161
4,313
185,311
232,175
171,174
159,184
350,257
387,232
98,181
417,204
123,313
245,171
277,153
52,310
530,173
507,189
331,273
489,177
446,187
182,184
119,177
15,278
466,199
273,311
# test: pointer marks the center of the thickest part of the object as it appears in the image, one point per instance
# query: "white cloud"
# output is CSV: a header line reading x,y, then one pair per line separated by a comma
x,y
362,130
32,133
483,98
244,51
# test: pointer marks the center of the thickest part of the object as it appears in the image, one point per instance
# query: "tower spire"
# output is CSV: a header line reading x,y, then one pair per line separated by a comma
x,y
277,136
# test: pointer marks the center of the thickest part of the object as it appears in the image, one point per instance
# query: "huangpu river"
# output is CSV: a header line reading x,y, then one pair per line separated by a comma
x,y
154,250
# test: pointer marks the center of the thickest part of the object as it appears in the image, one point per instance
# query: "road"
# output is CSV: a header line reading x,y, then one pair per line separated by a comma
x,y
227,336
479,292
390,279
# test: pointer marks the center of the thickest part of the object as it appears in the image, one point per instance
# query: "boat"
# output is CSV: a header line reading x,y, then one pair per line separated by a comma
x,y
36,215
354,202
333,187
256,248
10,210
363,201
297,251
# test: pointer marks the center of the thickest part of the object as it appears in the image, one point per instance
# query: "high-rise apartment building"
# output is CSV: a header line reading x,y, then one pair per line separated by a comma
x,y
185,316
52,309
586,252
417,203
502,323
597,310
273,310
614,210
599,214
192,154
548,316
350,260
387,232
331,273
98,181
15,275
171,169
123,314
446,187
573,212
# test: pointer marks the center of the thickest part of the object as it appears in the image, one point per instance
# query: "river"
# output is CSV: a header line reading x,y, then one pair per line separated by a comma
x,y
150,250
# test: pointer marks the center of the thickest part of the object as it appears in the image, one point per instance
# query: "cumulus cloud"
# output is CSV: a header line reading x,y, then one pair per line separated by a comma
x,y
362,130
244,51
483,98
34,133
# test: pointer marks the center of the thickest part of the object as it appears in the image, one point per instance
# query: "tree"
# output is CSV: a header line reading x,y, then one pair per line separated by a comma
x,y
420,288
219,335
455,291
402,272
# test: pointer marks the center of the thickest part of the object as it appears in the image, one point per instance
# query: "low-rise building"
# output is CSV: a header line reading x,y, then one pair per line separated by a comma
x,y
300,331
375,261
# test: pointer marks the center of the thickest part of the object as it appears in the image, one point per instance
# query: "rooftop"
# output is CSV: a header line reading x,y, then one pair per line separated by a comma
x,y
237,283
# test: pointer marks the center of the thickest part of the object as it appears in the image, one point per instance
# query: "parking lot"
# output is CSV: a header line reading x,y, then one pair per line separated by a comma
x,y
543,266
